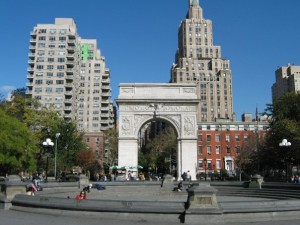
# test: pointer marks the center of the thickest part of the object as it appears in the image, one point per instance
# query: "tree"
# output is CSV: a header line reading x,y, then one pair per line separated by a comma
x,y
17,148
111,146
86,159
285,123
70,144
160,148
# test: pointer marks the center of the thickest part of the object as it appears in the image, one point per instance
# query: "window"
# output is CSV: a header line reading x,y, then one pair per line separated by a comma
x,y
200,163
237,149
61,60
60,67
61,45
60,74
41,45
42,31
208,148
51,38
58,90
49,74
38,81
237,137
227,137
218,150
62,38
209,164
218,137
51,45
48,89
49,82
60,82
228,150
199,137
42,38
40,67
218,164
200,149
50,59
246,137
50,67
208,137
37,90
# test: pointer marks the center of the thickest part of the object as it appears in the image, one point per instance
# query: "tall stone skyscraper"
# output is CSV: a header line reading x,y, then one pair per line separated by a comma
x,y
198,61
69,74
287,81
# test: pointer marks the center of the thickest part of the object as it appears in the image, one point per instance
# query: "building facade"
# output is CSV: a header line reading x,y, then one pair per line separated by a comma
x,y
287,80
200,62
69,74
221,143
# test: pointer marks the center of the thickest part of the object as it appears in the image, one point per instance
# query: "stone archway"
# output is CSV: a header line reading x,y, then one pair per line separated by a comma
x,y
175,103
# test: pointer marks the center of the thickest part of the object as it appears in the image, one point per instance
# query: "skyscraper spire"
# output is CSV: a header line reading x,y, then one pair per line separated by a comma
x,y
194,3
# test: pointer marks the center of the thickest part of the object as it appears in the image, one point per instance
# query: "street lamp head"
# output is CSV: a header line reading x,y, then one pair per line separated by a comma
x,y
57,135
48,142
285,142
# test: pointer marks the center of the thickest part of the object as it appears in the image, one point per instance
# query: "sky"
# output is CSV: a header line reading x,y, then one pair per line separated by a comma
x,y
139,39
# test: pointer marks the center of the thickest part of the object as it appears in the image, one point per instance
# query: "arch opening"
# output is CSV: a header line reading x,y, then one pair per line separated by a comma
x,y
158,148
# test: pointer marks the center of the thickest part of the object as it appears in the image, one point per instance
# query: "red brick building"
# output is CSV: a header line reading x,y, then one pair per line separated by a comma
x,y
95,141
220,143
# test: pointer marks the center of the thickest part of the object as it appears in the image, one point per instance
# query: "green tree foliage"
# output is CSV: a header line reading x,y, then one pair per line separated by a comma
x,y
111,145
45,123
160,148
17,148
70,143
285,124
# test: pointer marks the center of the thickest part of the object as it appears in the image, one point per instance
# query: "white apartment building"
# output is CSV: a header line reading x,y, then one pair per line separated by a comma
x,y
287,80
199,61
62,70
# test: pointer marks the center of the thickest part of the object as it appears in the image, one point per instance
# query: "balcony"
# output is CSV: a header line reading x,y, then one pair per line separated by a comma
x,y
68,101
70,71
68,116
30,84
29,92
32,41
70,85
68,93
70,77
31,55
71,49
31,62
104,115
33,34
30,69
31,47
71,35
70,56
68,108
106,94
71,42
105,87
30,76
106,81
70,62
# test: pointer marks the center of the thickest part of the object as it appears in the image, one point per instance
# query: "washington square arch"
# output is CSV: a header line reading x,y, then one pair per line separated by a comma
x,y
174,103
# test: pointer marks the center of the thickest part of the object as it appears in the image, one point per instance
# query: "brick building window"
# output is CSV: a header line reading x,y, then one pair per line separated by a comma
x,y
200,149
218,150
208,137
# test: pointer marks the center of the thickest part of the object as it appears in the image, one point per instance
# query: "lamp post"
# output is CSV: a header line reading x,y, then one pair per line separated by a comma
x,y
55,154
47,144
285,143
205,163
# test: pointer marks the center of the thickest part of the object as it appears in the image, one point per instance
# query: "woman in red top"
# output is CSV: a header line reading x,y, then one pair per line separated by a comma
x,y
81,196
